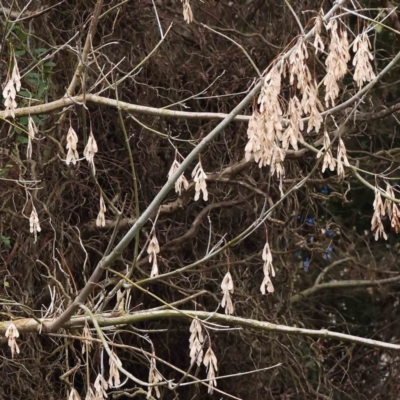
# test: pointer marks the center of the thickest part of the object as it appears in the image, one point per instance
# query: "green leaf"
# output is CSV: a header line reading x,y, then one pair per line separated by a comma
x,y
20,53
24,120
6,284
39,51
25,93
34,81
41,89
37,120
34,78
22,139
49,64
20,33
6,241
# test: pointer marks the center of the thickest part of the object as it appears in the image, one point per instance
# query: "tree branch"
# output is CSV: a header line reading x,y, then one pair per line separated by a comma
x,y
353,283
29,325
363,91
26,14
369,116
86,48
128,107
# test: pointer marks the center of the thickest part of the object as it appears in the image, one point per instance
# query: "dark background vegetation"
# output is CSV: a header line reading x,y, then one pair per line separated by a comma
x,y
188,61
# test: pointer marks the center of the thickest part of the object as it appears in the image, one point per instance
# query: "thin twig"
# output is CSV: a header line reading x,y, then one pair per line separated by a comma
x,y
111,355
238,45
295,17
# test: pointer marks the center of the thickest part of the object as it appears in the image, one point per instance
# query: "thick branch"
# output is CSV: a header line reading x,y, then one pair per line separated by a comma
x,y
30,325
128,107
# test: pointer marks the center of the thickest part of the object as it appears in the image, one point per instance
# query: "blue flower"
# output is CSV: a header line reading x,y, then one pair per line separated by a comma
x,y
327,233
310,221
325,190
328,254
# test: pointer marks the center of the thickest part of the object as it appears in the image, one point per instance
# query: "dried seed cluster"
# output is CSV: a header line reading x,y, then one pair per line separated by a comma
x,y
389,208
181,182
12,87
90,150
154,378
152,250
392,209
114,378
200,177
187,11
101,217
227,290
74,395
336,62
211,363
269,135
379,212
268,269
12,334
265,126
72,142
100,387
363,71
342,159
34,224
196,341
328,160
32,132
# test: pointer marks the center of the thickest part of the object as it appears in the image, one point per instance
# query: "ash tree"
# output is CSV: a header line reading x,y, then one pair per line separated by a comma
x,y
199,198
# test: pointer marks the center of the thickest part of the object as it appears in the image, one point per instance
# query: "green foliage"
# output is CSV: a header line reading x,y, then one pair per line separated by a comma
x,y
38,77
5,241
23,126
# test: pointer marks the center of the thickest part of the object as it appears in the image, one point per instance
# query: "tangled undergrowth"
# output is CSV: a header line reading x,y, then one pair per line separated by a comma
x,y
76,176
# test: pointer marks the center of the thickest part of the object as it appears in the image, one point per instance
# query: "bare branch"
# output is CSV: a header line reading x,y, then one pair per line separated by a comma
x,y
350,284
29,325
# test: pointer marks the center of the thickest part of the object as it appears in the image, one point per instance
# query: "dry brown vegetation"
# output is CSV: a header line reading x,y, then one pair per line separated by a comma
x,y
199,190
